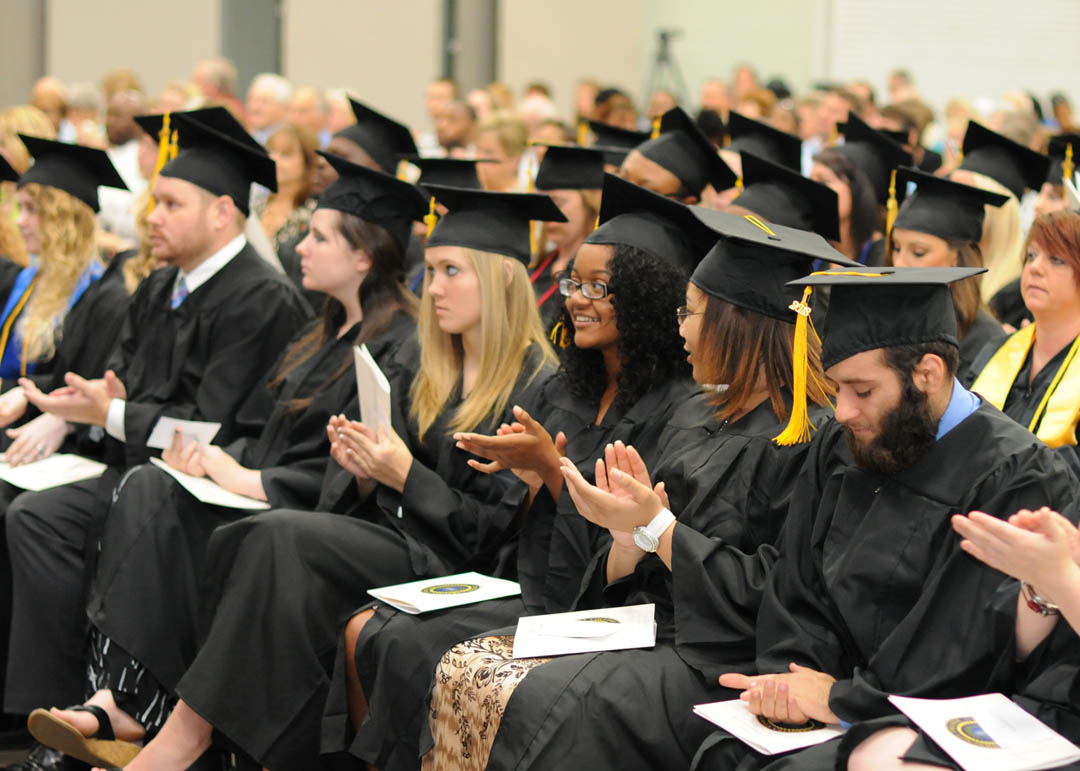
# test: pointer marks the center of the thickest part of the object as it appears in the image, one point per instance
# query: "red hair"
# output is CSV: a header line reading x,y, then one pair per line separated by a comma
x,y
1058,233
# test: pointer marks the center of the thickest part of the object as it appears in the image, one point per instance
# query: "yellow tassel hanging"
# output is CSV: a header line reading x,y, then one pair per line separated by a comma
x,y
1067,165
597,223
738,184
799,426
655,127
559,336
431,217
174,145
532,238
834,136
890,209
165,150
582,133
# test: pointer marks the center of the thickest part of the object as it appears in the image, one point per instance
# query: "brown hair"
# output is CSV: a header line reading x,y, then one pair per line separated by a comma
x,y
308,144
746,350
1058,233
382,294
966,293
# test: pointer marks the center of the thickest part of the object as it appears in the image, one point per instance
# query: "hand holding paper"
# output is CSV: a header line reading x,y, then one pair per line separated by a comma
x,y
165,430
373,389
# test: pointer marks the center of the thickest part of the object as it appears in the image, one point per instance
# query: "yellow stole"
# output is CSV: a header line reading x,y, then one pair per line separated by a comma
x,y
1059,410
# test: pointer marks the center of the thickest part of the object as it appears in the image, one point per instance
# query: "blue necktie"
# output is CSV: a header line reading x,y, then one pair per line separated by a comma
x,y
180,293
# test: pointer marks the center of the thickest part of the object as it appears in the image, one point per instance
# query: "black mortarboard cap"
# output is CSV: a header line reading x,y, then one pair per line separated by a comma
x,y
900,137
451,172
686,152
873,152
941,207
7,173
663,227
383,138
216,117
490,222
764,141
788,198
570,167
616,136
75,169
1010,163
1059,150
220,159
374,197
885,307
752,264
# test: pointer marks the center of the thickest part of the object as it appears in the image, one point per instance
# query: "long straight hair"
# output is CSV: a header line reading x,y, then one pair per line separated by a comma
x,y
509,324
740,348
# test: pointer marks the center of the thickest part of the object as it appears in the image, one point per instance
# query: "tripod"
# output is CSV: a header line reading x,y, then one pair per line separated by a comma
x,y
665,66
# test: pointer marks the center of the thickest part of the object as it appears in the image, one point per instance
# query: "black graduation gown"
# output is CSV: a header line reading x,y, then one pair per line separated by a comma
x,y
548,299
145,592
9,270
731,490
200,361
281,585
872,585
985,332
396,653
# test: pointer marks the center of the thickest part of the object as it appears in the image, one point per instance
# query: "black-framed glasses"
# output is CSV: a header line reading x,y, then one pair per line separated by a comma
x,y
592,290
683,312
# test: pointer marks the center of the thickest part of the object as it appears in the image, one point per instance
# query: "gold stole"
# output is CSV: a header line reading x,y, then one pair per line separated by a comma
x,y
1059,410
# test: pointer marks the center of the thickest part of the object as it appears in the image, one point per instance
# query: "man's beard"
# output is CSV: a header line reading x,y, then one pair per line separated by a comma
x,y
907,432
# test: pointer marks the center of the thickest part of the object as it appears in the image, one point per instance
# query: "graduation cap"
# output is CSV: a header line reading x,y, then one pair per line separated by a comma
x,y
220,160
217,117
900,137
490,222
7,173
638,217
569,167
788,198
1010,163
383,138
615,142
764,141
451,172
75,169
1064,150
374,197
873,152
941,207
686,152
885,307
752,266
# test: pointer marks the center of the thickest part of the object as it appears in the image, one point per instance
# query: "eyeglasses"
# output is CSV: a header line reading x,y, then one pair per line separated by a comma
x,y
591,290
683,312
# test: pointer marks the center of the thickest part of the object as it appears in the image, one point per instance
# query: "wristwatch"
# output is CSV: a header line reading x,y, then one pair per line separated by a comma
x,y
648,538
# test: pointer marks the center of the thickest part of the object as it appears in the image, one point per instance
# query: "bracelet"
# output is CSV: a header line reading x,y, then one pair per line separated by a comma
x,y
1038,604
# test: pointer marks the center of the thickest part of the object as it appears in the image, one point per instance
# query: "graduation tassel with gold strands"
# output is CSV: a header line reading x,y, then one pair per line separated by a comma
x,y
799,426
891,208
1068,166
431,217
582,133
167,149
655,127
559,335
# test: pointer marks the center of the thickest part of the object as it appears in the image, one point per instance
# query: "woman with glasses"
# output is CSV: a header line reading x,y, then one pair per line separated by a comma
x,y
700,550
623,374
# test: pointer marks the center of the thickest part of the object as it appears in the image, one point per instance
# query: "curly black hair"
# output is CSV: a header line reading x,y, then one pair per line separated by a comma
x,y
645,292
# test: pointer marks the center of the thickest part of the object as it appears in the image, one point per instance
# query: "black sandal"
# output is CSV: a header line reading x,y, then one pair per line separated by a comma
x,y
102,749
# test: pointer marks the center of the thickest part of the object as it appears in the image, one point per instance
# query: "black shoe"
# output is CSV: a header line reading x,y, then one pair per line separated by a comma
x,y
43,758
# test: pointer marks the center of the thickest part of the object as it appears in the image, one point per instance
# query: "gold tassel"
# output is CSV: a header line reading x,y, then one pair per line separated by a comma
x,y
655,127
559,336
799,426
597,223
582,133
165,152
174,145
532,239
834,136
738,184
431,217
1067,165
890,209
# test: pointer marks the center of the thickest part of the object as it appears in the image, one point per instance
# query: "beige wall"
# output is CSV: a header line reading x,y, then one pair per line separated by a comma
x,y
160,41
385,55
562,41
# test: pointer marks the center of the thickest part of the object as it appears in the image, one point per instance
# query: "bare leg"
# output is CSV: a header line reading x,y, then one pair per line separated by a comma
x,y
183,738
882,752
357,701
124,725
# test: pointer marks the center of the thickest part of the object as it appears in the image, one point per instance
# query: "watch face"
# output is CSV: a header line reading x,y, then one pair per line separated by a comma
x,y
645,540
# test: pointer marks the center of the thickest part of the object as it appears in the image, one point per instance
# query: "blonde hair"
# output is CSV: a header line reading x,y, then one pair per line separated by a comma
x,y
67,249
22,119
511,130
140,265
509,325
1002,239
